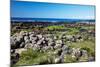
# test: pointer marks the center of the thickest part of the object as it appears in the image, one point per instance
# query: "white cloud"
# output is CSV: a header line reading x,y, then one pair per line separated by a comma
x,y
83,2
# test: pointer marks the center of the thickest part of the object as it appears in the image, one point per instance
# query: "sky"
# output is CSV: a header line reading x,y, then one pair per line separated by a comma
x,y
24,9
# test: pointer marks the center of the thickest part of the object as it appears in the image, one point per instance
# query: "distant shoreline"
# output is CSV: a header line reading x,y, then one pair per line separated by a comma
x,y
50,19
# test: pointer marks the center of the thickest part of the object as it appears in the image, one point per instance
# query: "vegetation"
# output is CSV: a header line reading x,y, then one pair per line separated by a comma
x,y
35,57
31,57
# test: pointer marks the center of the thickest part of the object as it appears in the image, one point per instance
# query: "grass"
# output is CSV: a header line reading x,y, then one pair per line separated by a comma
x,y
88,27
86,45
55,27
31,57
69,59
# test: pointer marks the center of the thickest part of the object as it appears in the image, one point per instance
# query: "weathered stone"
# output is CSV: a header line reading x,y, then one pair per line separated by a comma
x,y
68,37
65,48
27,41
22,45
31,33
39,42
15,44
25,38
12,40
57,60
46,48
91,59
84,53
33,42
39,36
31,39
29,45
12,51
20,50
36,47
76,52
14,58
22,33
58,44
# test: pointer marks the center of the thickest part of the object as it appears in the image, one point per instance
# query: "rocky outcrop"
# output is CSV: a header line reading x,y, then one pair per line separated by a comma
x,y
43,42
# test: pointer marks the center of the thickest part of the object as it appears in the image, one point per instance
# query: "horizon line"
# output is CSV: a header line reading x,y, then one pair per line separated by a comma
x,y
47,18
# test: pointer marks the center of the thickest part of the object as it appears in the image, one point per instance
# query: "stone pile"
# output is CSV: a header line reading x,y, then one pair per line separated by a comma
x,y
43,42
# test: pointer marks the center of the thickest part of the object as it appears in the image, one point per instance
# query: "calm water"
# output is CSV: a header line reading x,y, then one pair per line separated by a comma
x,y
50,19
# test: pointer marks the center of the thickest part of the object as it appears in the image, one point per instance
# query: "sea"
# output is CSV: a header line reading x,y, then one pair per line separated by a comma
x,y
50,19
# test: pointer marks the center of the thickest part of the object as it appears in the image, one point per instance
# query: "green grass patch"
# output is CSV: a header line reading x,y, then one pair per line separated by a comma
x,y
86,45
55,27
31,57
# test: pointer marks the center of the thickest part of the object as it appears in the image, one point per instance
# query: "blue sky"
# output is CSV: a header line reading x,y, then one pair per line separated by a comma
x,y
47,10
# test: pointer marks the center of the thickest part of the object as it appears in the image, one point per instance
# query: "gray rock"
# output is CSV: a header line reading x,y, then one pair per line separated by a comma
x,y
58,44
57,60
29,45
12,51
39,36
36,38
65,48
25,38
36,47
20,50
14,58
91,59
14,43
46,48
27,41
76,52
84,53
59,41
73,39
68,37
27,34
22,33
22,45
33,42
31,38
51,44
39,42
62,58
31,33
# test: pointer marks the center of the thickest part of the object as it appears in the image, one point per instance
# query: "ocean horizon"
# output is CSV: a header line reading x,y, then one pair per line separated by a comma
x,y
49,19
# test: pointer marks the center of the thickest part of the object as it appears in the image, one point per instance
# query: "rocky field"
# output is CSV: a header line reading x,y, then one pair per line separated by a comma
x,y
67,46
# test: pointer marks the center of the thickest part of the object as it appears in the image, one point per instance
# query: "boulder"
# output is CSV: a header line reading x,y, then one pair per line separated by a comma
x,y
12,51
51,44
58,44
14,58
33,42
84,53
76,52
20,50
29,45
22,33
25,38
22,45
39,36
27,41
91,59
57,60
15,44
31,32
36,47
65,48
